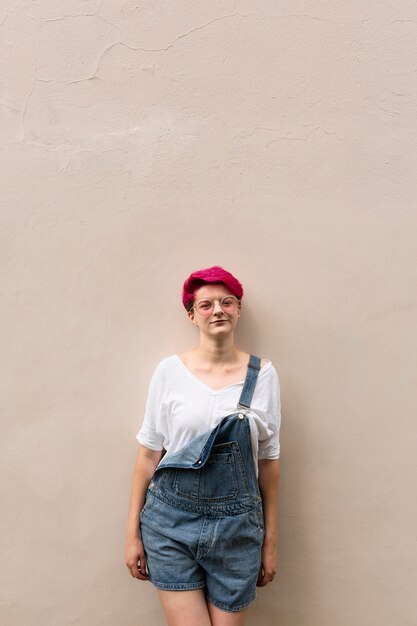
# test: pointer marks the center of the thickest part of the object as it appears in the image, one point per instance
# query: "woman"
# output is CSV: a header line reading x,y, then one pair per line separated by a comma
x,y
202,516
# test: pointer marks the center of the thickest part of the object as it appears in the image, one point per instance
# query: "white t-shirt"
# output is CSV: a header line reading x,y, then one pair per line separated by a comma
x,y
180,407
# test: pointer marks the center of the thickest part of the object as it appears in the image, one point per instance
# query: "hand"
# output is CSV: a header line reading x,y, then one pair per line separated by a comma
x,y
268,567
135,558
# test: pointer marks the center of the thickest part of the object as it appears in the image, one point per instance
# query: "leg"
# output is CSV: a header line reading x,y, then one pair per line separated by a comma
x,y
186,608
227,618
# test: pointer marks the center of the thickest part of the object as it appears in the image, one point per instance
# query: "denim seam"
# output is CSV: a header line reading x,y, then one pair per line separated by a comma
x,y
145,506
225,510
226,607
258,530
177,586
212,435
242,467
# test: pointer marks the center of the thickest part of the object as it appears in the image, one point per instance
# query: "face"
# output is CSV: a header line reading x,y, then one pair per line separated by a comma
x,y
217,321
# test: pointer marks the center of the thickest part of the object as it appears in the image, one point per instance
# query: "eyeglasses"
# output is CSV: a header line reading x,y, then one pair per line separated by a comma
x,y
205,306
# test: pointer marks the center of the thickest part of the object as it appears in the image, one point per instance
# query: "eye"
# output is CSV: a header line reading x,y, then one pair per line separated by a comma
x,y
228,302
205,304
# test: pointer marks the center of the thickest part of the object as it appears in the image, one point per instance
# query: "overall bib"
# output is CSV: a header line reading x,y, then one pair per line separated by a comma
x,y
202,522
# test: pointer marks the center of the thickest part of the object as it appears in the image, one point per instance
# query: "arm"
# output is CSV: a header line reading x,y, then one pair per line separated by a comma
x,y
146,462
269,487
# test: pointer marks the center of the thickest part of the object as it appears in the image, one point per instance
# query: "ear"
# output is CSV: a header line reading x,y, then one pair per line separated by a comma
x,y
191,317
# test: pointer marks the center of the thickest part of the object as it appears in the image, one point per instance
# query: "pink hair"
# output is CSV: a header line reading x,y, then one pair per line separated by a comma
x,y
215,274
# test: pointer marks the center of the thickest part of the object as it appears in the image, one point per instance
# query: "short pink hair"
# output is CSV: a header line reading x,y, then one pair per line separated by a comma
x,y
215,274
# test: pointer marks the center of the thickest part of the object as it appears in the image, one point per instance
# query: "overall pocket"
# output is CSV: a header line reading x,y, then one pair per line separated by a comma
x,y
216,481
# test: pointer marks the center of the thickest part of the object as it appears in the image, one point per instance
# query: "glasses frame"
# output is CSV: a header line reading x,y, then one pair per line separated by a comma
x,y
213,301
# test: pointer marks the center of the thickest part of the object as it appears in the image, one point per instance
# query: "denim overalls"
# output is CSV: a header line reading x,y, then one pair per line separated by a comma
x,y
202,523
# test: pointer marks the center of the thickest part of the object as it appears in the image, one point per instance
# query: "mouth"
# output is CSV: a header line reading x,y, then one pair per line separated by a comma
x,y
220,322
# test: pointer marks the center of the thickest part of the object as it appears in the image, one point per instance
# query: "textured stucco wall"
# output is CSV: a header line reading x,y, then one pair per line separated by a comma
x,y
141,140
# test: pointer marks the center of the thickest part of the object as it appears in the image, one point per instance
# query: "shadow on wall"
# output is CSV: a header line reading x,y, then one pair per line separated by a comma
x,y
280,602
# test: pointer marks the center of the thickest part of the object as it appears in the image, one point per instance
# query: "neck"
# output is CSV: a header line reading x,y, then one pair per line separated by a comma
x,y
222,350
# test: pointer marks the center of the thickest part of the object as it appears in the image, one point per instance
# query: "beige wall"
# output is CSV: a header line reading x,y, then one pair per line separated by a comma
x,y
142,140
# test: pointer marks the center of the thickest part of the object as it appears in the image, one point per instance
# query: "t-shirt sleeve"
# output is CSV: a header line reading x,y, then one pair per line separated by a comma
x,y
150,434
269,447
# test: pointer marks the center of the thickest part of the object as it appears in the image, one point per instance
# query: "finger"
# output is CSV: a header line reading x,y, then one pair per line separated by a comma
x,y
265,577
136,571
268,577
143,564
141,572
261,574
141,575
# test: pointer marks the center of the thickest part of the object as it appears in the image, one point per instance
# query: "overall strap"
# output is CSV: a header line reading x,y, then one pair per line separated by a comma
x,y
254,366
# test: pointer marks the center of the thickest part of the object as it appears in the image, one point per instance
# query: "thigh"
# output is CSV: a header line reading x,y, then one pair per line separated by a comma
x,y
170,538
227,618
186,608
233,561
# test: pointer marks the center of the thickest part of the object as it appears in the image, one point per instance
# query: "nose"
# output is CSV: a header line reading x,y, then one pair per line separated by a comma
x,y
217,308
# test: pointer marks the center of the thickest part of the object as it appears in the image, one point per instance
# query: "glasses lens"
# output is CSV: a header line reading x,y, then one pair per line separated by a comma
x,y
204,306
228,303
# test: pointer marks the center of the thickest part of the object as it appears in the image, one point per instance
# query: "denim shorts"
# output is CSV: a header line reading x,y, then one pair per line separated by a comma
x,y
202,523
